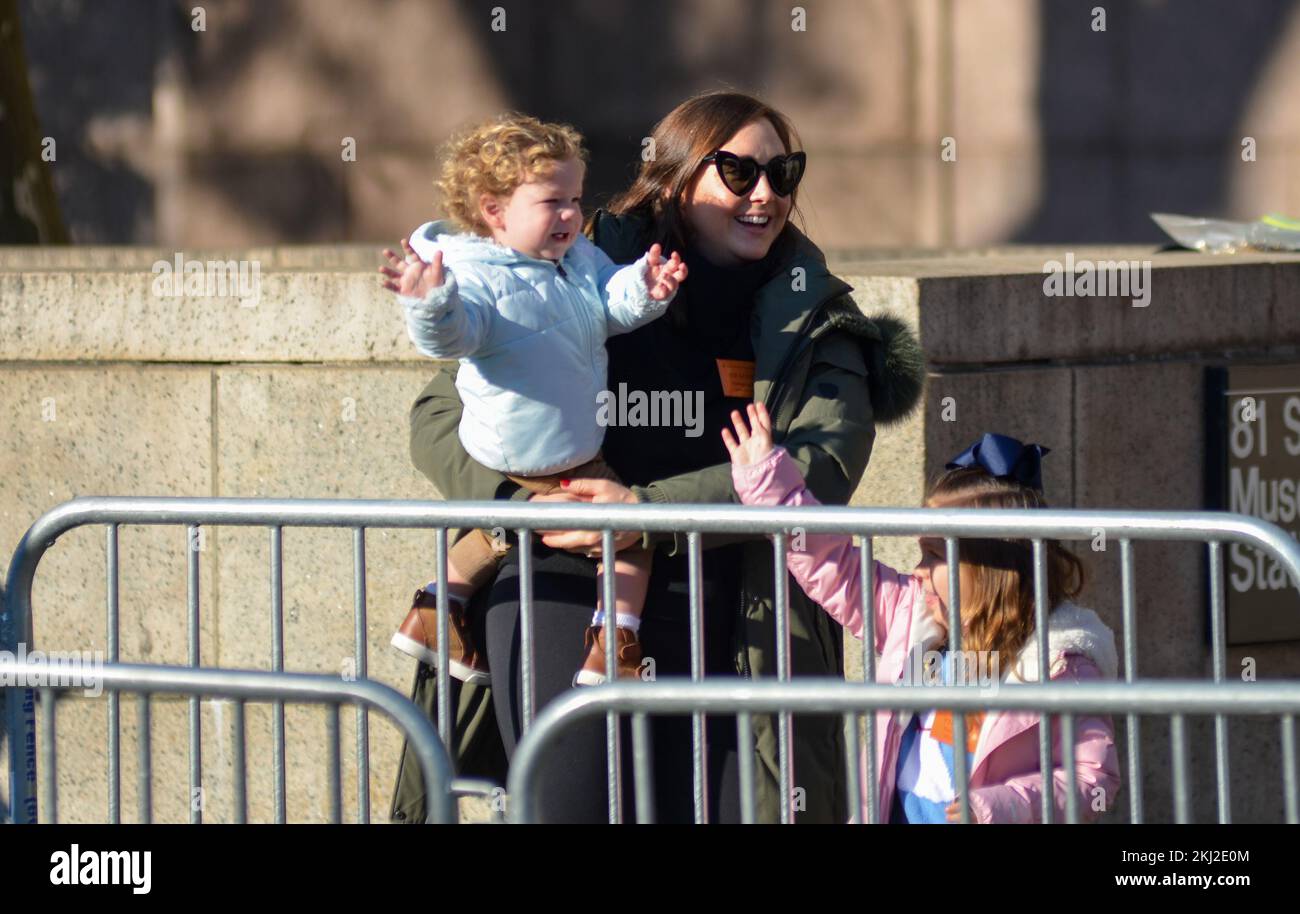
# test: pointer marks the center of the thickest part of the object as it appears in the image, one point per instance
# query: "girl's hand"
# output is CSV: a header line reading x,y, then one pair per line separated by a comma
x,y
411,276
954,813
753,444
663,276
593,491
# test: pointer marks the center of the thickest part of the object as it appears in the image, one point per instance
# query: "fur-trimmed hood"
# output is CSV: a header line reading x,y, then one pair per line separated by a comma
x,y
895,361
1071,629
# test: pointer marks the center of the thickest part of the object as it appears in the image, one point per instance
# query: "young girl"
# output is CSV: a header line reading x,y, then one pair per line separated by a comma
x,y
525,302
915,751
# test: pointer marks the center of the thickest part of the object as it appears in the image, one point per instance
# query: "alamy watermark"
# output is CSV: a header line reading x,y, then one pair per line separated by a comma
x,y
182,278
1104,279
87,867
58,669
969,668
661,408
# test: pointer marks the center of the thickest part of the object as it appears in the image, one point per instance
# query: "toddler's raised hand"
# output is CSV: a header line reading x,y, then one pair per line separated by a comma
x,y
411,276
752,444
663,276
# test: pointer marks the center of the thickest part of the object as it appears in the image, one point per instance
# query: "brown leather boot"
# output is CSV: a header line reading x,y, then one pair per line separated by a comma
x,y
418,638
627,654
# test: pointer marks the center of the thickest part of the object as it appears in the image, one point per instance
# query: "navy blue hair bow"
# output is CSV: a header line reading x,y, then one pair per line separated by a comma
x,y
1005,458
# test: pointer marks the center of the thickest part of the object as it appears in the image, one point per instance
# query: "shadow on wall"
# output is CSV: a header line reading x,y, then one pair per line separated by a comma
x,y
93,59
597,65
1146,116
268,164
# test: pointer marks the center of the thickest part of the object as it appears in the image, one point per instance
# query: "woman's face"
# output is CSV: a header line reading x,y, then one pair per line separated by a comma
x,y
731,230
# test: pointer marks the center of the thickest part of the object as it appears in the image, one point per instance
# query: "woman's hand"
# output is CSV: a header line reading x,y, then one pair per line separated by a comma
x,y
663,276
753,444
593,491
411,276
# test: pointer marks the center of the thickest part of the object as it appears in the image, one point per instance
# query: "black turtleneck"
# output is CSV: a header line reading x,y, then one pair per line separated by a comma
x,y
709,320
716,301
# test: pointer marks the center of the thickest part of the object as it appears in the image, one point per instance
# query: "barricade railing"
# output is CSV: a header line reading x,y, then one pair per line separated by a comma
x,y
695,520
54,681
1177,699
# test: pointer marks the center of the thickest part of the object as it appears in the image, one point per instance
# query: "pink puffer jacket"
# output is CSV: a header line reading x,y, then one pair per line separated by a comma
x,y
1005,783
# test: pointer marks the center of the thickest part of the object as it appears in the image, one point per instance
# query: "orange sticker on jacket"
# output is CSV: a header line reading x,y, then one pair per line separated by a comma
x,y
737,378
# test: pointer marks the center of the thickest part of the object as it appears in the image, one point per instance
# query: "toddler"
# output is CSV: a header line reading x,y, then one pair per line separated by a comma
x,y
525,301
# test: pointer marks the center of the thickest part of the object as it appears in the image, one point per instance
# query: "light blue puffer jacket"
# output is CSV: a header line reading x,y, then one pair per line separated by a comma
x,y
530,336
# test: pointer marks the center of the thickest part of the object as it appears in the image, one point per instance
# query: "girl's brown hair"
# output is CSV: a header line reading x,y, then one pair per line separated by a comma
x,y
698,126
1000,601
498,156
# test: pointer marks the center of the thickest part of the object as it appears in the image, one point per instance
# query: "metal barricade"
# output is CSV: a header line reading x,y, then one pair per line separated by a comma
x,y
242,686
1213,528
745,699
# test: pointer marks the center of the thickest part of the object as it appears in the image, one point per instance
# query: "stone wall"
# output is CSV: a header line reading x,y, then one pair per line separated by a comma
x,y
107,389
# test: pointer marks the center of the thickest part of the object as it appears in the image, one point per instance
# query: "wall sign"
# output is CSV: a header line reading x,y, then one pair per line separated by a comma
x,y
1254,468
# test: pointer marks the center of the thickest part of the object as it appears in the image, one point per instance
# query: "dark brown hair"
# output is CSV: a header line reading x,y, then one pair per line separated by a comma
x,y
1000,608
698,126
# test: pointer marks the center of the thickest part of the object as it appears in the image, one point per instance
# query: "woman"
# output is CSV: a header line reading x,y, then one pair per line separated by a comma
x,y
760,318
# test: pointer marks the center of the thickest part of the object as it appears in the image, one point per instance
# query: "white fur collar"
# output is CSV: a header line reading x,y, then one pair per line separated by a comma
x,y
1071,629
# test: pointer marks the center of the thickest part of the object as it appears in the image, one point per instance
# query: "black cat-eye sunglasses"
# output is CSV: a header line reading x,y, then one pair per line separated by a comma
x,y
740,173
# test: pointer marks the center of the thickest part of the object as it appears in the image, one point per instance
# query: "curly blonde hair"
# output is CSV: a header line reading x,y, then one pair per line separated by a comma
x,y
498,156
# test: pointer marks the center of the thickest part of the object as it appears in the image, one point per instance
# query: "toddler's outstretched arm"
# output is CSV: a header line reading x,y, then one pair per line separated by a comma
x,y
444,319
636,294
828,567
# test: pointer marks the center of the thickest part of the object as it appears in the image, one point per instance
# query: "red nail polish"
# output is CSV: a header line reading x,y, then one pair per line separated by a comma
x,y
564,482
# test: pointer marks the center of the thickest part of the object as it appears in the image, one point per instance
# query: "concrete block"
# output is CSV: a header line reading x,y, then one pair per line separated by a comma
x,y
1131,425
143,432
1186,313
92,431
1031,405
297,433
361,256
294,316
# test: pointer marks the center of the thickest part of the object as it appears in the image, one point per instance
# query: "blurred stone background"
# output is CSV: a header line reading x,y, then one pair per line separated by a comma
x,y
233,135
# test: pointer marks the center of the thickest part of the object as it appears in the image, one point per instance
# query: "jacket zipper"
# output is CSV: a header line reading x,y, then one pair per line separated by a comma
x,y
583,316
773,397
745,670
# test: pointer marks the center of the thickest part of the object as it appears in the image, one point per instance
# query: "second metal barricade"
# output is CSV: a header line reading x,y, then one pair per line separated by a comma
x,y
53,681
1176,700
